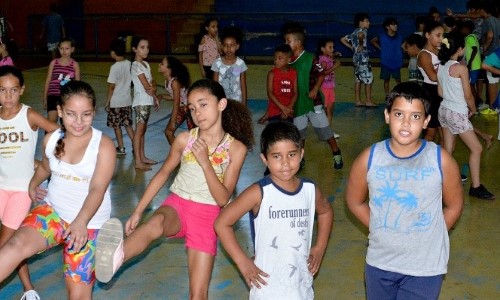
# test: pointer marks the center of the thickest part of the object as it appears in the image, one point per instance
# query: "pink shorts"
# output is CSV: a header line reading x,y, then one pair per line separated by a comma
x,y
329,94
14,206
197,223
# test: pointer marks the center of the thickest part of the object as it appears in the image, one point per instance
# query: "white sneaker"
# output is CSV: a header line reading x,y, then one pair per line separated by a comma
x,y
336,135
30,295
483,106
109,250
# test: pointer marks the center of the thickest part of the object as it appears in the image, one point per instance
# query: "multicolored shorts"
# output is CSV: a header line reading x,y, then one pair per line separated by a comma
x,y
79,266
119,116
142,113
362,68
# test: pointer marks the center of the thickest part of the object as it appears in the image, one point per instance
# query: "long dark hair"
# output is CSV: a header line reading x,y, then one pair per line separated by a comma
x,y
236,118
179,71
450,46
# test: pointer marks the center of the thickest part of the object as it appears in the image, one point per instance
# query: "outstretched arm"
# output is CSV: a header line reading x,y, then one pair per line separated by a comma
x,y
158,180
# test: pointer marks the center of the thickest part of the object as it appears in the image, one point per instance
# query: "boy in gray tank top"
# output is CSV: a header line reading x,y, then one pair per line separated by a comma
x,y
415,197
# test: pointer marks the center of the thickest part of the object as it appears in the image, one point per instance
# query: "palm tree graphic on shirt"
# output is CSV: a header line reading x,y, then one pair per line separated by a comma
x,y
393,204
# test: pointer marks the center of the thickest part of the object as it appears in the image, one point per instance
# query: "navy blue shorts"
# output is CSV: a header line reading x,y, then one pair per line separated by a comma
x,y
382,284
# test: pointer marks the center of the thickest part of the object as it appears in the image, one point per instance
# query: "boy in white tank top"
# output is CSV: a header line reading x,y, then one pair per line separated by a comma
x,y
284,206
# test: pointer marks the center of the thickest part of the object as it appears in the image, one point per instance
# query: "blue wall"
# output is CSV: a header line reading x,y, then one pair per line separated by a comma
x,y
261,19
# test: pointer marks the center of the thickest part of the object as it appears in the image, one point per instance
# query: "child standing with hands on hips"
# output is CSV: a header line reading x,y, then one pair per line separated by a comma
x,y
176,84
457,107
230,70
119,102
61,71
210,157
80,161
144,99
209,48
285,262
415,198
20,123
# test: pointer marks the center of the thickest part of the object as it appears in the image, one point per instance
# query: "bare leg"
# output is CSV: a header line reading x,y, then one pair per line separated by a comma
x,y
357,93
448,141
333,144
5,234
164,222
25,242
170,133
119,136
78,291
488,138
470,140
138,144
329,112
492,93
144,159
386,87
130,133
200,265
368,92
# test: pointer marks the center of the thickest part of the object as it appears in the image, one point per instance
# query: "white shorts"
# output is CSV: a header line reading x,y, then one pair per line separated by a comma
x,y
318,120
492,79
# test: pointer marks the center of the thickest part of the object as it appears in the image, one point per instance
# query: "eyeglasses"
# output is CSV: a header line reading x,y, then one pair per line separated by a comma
x,y
85,117
13,91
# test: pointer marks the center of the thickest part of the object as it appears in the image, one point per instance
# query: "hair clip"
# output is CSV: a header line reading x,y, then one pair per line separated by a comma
x,y
446,43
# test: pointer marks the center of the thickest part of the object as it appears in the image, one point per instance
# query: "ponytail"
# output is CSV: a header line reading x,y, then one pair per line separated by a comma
x,y
450,46
237,121
59,150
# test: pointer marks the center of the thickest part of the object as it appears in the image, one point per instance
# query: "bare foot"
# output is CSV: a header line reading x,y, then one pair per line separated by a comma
x,y
371,104
149,161
142,167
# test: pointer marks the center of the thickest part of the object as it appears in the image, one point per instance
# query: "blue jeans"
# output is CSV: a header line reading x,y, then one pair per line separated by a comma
x,y
381,285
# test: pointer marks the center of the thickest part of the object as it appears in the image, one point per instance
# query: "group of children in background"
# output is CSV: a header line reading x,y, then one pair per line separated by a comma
x,y
301,89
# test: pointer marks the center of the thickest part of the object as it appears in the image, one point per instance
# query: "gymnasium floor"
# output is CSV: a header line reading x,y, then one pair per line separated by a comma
x,y
161,272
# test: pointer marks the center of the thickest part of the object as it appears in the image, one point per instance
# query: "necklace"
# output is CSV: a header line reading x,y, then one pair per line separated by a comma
x,y
218,145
